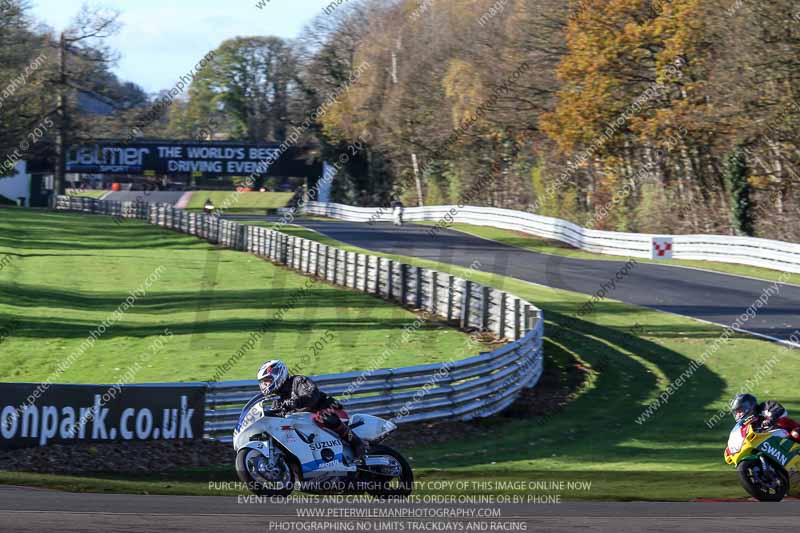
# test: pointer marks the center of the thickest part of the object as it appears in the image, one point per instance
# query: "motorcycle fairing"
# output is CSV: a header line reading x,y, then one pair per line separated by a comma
x,y
774,444
310,455
286,431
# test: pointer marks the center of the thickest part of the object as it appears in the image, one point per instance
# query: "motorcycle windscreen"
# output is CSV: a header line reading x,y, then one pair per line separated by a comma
x,y
736,438
369,427
246,411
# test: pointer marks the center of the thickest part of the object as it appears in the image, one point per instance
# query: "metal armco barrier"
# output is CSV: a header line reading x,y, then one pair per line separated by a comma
x,y
777,255
479,386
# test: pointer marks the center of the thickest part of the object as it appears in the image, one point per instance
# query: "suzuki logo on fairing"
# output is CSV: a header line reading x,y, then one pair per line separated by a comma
x,y
326,444
775,453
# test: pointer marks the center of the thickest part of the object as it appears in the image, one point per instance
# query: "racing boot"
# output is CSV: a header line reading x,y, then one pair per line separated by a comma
x,y
352,440
337,425
357,445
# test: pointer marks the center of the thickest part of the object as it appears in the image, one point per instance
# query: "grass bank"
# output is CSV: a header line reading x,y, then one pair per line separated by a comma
x,y
63,275
88,193
245,203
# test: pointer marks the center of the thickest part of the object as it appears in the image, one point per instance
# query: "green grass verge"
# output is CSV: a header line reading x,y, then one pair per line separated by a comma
x,y
63,274
87,194
220,481
195,482
632,354
546,246
248,202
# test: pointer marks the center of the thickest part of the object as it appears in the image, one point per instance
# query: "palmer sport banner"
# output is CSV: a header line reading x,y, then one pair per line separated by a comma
x,y
187,157
35,414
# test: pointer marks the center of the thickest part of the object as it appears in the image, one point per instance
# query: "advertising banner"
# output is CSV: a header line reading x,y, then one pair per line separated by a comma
x,y
186,158
33,414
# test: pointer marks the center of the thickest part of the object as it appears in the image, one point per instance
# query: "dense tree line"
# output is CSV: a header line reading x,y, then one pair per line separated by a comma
x,y
638,115
23,61
635,115
52,84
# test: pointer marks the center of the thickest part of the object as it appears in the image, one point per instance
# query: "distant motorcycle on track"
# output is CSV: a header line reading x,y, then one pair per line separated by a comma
x,y
397,216
278,452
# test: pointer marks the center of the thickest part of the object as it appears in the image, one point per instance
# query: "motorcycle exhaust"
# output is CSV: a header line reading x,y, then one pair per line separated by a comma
x,y
377,460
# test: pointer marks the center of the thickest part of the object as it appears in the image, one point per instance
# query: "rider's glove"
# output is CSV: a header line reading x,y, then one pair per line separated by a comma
x,y
765,423
287,405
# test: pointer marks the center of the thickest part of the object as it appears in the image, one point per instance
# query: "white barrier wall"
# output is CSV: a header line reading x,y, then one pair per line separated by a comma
x,y
777,255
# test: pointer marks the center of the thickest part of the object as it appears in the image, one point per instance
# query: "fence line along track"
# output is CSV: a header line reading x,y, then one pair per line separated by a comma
x,y
478,386
766,253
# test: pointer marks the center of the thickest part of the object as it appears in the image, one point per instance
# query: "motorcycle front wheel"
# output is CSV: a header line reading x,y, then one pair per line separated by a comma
x,y
263,478
391,486
765,485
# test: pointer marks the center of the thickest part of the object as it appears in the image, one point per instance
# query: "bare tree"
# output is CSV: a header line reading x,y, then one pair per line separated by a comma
x,y
81,44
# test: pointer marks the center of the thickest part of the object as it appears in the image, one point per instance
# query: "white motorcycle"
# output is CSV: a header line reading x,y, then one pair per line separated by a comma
x,y
276,453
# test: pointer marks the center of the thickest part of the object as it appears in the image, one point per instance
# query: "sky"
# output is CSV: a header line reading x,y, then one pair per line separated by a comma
x,y
161,40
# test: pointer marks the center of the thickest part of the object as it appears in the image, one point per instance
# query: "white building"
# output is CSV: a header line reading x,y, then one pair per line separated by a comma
x,y
18,185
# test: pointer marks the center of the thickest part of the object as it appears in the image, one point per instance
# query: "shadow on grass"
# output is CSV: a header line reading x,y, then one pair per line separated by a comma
x,y
17,295
48,328
81,231
598,425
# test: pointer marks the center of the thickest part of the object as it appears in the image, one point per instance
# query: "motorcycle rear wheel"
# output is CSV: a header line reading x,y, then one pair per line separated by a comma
x,y
751,476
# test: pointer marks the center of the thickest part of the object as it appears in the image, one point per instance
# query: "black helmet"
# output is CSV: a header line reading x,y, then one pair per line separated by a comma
x,y
743,405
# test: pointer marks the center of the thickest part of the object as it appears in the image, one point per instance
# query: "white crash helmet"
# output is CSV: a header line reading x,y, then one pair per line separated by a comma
x,y
277,371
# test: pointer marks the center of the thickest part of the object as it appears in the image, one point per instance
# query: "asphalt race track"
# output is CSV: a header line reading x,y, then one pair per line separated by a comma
x,y
32,510
711,296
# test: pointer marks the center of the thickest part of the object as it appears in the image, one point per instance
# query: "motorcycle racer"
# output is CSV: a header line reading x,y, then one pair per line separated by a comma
x,y
300,393
397,212
208,207
769,414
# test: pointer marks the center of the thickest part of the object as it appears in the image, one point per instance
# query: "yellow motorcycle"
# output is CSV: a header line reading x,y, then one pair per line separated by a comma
x,y
768,460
